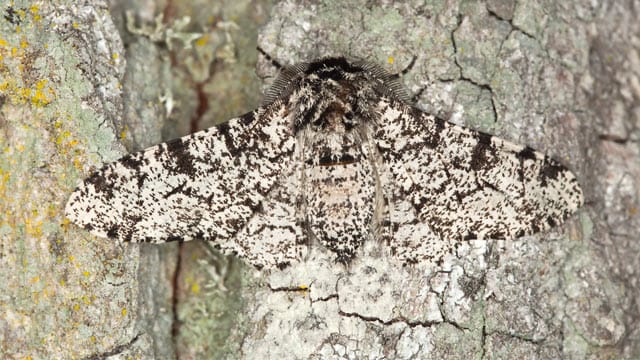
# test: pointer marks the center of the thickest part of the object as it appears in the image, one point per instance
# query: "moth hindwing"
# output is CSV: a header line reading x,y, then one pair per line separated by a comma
x,y
337,156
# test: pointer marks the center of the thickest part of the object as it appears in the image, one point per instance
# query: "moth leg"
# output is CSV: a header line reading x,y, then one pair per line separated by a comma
x,y
381,228
212,250
416,96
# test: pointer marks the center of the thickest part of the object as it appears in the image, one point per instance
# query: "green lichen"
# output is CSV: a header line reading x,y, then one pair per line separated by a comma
x,y
47,137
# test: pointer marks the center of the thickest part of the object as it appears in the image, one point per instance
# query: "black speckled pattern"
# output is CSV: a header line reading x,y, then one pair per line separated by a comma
x,y
334,157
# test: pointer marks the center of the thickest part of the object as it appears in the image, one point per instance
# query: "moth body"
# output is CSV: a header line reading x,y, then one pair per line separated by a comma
x,y
337,156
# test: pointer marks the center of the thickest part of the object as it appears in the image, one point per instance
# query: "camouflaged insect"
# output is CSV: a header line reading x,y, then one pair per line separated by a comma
x,y
336,155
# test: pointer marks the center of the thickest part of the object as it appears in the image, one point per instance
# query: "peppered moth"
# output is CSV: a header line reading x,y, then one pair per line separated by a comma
x,y
336,155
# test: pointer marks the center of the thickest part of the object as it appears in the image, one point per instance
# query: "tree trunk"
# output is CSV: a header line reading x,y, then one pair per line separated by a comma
x,y
76,86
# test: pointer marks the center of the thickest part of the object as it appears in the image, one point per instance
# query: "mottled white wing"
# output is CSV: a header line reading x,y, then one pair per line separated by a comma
x,y
448,184
215,185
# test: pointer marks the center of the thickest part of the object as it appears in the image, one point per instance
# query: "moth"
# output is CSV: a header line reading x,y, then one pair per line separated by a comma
x,y
336,155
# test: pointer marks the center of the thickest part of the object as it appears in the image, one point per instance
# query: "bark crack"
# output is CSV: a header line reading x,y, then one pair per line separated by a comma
x,y
460,68
115,351
393,321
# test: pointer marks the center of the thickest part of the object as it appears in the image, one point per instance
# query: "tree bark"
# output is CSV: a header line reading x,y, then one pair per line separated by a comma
x,y
82,84
559,78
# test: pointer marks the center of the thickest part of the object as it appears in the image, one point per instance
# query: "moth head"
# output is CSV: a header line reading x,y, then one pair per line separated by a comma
x,y
333,94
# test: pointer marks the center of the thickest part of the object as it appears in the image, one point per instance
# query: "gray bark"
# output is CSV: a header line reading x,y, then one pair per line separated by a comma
x,y
82,82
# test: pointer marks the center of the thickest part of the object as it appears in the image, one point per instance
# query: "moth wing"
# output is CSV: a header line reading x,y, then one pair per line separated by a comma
x,y
212,185
272,237
448,184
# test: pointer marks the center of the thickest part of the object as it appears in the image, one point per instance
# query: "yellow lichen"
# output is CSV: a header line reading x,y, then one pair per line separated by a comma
x,y
391,60
195,288
62,137
304,289
52,210
4,179
33,228
23,93
40,97
202,41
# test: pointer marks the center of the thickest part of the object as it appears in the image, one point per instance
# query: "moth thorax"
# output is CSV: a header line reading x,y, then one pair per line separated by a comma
x,y
335,116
